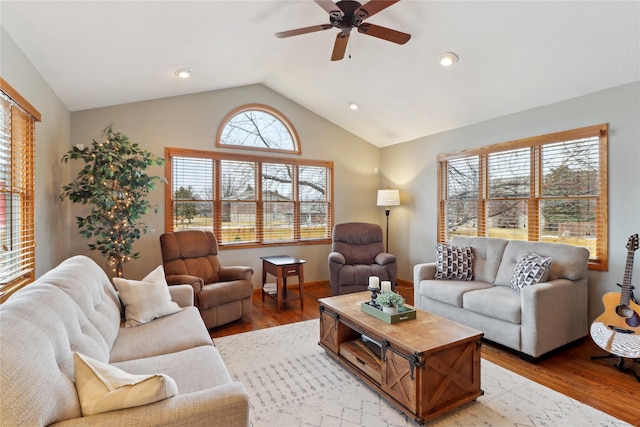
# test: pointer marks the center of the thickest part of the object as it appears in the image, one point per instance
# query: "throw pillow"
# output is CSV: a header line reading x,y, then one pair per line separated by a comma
x,y
531,269
146,299
103,388
454,262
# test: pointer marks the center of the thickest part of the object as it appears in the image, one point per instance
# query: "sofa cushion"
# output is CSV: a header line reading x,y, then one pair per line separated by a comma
x,y
453,262
450,291
487,254
531,269
103,388
498,302
569,262
195,369
164,335
146,299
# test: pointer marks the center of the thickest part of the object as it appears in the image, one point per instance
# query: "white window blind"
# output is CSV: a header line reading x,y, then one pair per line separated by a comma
x,y
547,188
249,200
17,232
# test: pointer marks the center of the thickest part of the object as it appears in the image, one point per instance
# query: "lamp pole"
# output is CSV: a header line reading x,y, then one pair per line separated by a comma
x,y
387,211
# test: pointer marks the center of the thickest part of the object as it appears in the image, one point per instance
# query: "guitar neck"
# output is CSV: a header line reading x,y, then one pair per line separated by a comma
x,y
625,294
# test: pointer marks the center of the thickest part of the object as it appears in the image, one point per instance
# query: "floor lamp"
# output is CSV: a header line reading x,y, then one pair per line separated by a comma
x,y
388,198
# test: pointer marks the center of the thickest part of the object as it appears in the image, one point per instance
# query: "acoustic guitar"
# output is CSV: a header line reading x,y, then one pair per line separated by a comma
x,y
617,330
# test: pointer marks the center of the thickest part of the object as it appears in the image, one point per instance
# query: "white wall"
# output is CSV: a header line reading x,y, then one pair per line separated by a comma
x,y
52,139
191,121
412,167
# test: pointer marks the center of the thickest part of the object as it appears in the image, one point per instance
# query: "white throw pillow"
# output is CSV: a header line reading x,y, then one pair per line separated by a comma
x,y
146,299
531,269
103,388
453,262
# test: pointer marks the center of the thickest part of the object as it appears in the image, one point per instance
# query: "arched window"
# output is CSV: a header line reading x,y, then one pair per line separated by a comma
x,y
258,127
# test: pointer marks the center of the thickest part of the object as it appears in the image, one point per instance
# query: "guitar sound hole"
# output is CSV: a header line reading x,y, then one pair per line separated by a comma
x,y
624,311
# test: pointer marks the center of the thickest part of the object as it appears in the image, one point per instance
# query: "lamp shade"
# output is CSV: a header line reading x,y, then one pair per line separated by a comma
x,y
388,197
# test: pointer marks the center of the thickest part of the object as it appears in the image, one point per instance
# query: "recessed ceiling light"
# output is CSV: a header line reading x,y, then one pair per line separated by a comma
x,y
353,106
447,59
183,73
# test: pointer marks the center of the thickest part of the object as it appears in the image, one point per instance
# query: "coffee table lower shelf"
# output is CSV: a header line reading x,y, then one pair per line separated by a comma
x,y
423,381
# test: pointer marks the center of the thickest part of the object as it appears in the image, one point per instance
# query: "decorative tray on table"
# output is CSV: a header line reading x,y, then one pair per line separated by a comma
x,y
406,312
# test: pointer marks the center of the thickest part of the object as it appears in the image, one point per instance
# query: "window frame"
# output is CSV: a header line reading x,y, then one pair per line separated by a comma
x,y
217,157
535,146
265,109
26,219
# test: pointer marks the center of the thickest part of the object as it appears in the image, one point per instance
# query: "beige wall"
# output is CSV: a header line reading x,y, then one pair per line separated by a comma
x,y
412,168
191,121
52,138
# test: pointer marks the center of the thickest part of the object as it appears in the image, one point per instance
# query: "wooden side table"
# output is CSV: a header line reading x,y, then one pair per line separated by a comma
x,y
282,266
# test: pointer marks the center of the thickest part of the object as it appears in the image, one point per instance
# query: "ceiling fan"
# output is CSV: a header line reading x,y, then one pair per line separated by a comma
x,y
347,15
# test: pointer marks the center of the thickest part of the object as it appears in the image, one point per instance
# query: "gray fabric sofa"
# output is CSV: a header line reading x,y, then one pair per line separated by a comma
x,y
75,308
534,321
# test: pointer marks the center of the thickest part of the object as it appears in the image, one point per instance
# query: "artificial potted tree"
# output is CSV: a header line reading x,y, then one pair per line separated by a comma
x,y
115,183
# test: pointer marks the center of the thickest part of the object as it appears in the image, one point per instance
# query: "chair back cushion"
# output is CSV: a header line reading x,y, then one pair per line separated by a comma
x,y
359,242
191,252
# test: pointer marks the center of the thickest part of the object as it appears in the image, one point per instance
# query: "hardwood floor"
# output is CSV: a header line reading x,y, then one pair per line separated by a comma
x,y
572,372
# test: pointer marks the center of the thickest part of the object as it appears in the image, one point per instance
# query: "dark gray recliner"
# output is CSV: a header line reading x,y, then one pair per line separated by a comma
x,y
357,253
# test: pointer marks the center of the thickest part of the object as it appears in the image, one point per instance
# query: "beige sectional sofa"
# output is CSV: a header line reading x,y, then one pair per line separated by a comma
x,y
533,321
75,308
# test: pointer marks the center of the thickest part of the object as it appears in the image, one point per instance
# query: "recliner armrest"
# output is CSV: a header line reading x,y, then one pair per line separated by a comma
x,y
236,272
185,279
385,258
337,257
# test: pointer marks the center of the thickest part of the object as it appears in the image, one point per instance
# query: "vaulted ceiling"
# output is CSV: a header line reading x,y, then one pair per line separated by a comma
x,y
513,56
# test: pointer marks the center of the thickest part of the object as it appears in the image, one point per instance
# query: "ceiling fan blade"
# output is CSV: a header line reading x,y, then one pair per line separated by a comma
x,y
340,46
373,7
384,33
305,30
329,6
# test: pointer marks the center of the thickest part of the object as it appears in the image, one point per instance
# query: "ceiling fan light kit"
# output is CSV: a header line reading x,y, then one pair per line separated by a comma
x,y
347,15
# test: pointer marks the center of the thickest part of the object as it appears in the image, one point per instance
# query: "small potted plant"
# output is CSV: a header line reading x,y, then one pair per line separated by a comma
x,y
390,301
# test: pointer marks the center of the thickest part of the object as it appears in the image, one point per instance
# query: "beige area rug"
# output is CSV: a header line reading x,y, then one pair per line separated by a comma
x,y
293,382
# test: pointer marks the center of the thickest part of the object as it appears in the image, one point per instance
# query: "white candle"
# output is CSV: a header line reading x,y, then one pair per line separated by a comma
x,y
386,286
374,282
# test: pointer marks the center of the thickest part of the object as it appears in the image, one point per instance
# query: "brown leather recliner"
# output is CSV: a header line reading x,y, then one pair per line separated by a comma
x,y
357,253
223,294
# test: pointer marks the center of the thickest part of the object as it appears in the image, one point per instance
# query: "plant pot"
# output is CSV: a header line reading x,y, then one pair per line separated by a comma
x,y
390,310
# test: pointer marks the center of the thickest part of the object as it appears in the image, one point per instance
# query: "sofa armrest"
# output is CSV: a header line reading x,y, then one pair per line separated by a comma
x,y
237,272
385,258
425,271
554,313
336,257
184,279
225,405
182,294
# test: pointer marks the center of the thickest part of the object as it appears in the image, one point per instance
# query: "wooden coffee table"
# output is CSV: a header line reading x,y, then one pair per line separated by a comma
x,y
425,367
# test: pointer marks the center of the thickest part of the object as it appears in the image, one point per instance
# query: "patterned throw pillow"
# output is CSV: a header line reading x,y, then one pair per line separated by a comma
x,y
531,269
454,262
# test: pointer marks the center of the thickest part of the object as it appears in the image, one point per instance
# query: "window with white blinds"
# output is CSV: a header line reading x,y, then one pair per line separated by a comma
x,y
549,188
17,232
249,200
